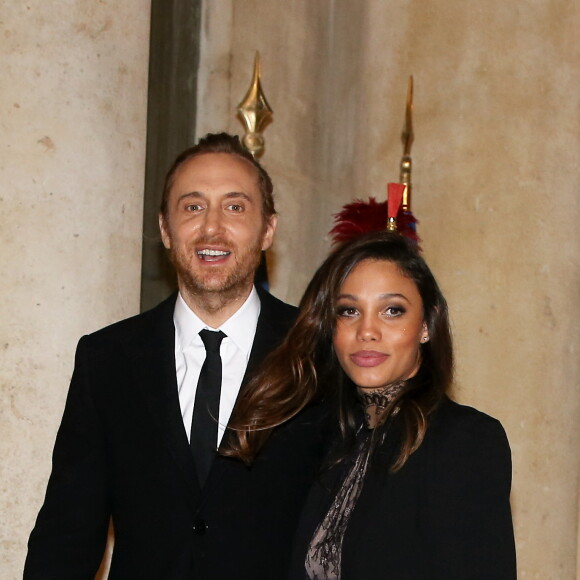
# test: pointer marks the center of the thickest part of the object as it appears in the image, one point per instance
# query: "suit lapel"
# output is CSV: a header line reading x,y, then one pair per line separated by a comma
x,y
152,356
272,326
269,333
153,363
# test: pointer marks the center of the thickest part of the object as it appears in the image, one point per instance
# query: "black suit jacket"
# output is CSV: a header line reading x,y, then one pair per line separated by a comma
x,y
122,451
444,516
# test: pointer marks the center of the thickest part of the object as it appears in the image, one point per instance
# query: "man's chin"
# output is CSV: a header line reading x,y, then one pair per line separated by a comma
x,y
216,284
230,283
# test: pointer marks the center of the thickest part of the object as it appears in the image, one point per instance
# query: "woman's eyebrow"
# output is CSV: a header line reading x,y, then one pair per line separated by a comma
x,y
386,296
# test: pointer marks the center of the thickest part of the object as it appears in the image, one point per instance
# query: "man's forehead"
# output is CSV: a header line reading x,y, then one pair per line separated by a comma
x,y
215,170
204,162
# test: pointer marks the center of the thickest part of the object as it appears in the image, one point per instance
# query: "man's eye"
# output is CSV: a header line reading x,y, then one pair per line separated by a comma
x,y
236,207
193,207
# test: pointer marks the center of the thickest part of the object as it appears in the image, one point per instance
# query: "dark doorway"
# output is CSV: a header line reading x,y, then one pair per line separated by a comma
x,y
171,117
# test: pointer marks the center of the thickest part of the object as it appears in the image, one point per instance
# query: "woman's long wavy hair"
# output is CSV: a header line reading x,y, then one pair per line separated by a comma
x,y
304,368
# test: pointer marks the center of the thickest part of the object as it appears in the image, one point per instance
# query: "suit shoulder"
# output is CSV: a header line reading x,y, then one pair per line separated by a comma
x,y
464,425
134,326
463,415
274,307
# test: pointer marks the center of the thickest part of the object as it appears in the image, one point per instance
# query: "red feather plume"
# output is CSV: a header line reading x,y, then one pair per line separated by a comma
x,y
361,217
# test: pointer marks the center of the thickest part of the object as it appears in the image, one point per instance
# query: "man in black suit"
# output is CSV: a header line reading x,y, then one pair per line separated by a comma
x,y
128,448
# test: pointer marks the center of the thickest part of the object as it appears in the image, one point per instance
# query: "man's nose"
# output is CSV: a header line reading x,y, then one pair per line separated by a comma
x,y
213,221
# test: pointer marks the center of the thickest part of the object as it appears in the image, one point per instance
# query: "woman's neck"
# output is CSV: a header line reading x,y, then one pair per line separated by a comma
x,y
375,401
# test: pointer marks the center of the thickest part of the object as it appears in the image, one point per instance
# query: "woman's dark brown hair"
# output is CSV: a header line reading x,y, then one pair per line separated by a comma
x,y
305,370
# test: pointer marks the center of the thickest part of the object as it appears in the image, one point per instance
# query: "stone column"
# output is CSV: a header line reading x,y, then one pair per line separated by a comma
x,y
72,153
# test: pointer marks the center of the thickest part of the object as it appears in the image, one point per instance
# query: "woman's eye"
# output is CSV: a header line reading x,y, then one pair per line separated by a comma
x,y
393,311
347,311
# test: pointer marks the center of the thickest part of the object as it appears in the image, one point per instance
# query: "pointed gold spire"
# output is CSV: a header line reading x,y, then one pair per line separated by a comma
x,y
255,113
407,138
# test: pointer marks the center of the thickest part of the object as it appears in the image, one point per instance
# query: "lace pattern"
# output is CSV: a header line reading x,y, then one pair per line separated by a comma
x,y
323,559
375,402
324,556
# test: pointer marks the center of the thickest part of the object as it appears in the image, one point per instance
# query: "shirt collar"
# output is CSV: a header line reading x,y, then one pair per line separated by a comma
x,y
240,327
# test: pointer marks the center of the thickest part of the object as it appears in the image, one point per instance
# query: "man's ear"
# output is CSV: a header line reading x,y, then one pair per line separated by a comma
x,y
268,237
165,238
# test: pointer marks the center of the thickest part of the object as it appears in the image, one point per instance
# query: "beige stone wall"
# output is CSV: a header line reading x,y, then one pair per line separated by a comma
x,y
496,189
72,134
497,125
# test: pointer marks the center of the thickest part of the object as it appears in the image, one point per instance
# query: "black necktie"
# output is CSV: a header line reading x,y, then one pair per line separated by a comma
x,y
203,438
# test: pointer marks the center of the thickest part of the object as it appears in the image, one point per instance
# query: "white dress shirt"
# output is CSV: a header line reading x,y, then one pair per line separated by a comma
x,y
235,349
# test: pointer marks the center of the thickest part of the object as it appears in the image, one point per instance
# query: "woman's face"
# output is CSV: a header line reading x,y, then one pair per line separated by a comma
x,y
379,325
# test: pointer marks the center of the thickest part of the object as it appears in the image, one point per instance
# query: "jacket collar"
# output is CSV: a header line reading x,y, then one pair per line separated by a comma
x,y
153,353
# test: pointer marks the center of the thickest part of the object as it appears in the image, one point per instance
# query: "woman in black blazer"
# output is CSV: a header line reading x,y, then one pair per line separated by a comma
x,y
415,487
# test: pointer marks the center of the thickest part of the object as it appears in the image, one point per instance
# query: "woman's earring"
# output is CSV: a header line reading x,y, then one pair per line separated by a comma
x,y
425,339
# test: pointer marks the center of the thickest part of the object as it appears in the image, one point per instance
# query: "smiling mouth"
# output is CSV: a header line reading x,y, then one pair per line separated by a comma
x,y
368,358
208,255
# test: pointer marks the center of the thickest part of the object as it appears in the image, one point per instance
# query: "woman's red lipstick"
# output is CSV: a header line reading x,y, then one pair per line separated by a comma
x,y
368,358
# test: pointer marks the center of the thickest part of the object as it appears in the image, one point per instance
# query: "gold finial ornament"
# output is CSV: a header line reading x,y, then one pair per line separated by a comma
x,y
255,113
407,137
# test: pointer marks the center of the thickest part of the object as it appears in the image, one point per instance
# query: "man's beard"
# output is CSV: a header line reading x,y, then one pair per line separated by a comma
x,y
228,283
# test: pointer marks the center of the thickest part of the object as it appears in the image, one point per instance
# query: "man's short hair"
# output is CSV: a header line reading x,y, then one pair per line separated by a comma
x,y
222,143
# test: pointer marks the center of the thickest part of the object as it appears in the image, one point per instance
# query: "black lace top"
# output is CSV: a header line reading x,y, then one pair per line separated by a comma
x,y
323,559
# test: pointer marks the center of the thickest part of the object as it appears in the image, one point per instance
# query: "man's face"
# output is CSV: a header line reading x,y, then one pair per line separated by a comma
x,y
214,228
